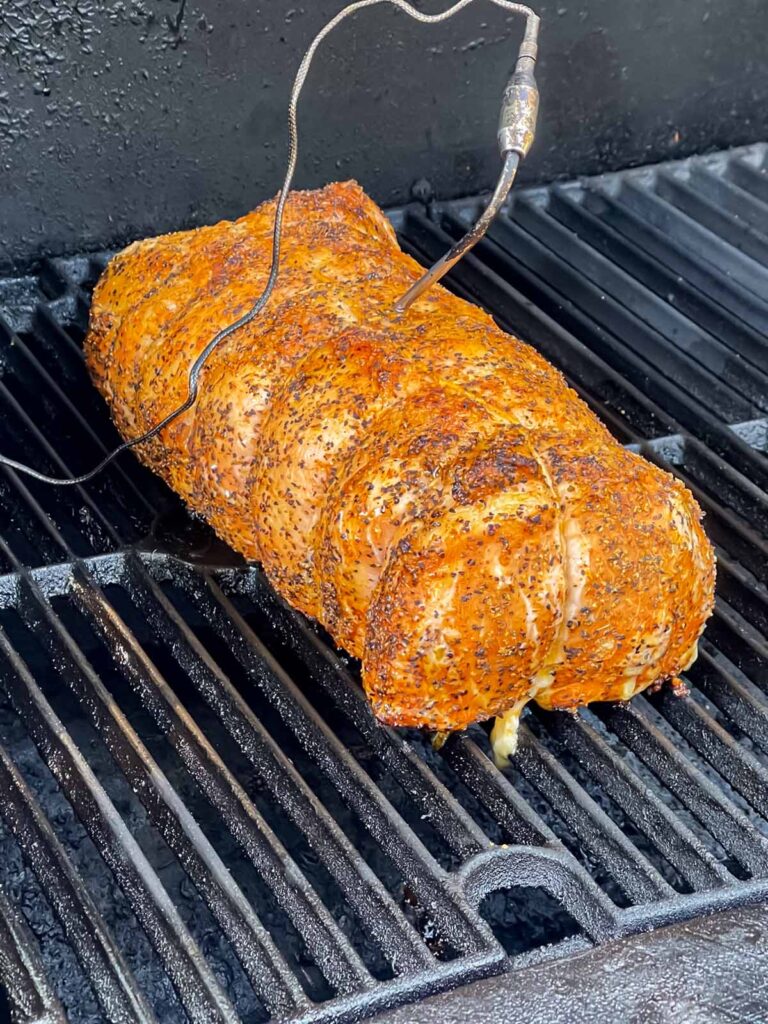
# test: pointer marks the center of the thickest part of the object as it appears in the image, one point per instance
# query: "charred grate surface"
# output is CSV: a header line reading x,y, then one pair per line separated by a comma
x,y
201,819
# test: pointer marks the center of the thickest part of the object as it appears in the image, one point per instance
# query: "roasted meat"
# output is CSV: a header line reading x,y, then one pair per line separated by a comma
x,y
424,485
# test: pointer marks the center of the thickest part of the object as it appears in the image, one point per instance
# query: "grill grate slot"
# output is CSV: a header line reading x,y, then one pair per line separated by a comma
x,y
707,246
744,208
293,859
264,966
721,682
638,231
327,946
748,172
661,826
586,303
651,326
677,291
707,802
726,224
519,823
22,970
112,980
491,288
193,978
327,754
300,646
736,765
589,824
387,922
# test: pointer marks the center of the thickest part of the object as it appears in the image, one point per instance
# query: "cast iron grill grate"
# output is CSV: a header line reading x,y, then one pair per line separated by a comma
x,y
201,820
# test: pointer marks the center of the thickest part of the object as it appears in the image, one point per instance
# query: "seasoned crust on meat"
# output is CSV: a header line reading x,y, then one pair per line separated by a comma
x,y
425,485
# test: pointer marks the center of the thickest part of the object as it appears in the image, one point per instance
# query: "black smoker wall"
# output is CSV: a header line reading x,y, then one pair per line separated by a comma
x,y
120,118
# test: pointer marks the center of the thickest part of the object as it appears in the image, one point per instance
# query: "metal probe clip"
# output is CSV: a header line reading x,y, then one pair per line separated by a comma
x,y
517,126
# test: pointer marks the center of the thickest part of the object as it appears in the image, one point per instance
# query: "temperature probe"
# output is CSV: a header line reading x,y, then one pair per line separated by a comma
x,y
517,125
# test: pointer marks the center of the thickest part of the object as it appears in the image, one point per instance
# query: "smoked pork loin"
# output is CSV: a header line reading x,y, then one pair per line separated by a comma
x,y
423,484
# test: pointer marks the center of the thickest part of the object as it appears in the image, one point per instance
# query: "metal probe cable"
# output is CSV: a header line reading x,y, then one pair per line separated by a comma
x,y
515,135
472,237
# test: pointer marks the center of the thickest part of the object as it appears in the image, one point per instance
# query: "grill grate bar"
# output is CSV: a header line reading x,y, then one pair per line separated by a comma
x,y
742,591
740,204
749,308
656,821
29,528
575,215
728,532
742,236
741,531
446,815
103,534
708,803
497,794
741,642
85,440
423,874
332,952
362,889
22,970
735,764
594,830
744,173
550,870
727,692
653,327
58,347
573,373
482,282
110,976
733,489
626,330
193,979
267,971
629,414
701,242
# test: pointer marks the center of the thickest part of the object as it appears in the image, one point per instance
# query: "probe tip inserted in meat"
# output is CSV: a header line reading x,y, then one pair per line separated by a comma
x,y
517,126
472,237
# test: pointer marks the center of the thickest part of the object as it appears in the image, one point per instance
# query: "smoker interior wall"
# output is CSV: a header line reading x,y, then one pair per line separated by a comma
x,y
120,118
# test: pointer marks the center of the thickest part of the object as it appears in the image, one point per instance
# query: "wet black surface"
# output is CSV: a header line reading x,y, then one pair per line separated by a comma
x,y
122,119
